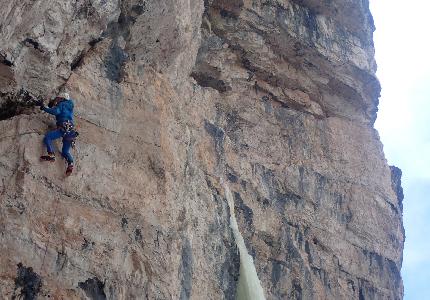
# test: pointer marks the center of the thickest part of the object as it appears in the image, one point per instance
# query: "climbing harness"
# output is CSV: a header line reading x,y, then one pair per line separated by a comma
x,y
70,134
67,126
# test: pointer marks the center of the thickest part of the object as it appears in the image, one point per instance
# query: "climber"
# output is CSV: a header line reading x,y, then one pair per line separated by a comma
x,y
62,108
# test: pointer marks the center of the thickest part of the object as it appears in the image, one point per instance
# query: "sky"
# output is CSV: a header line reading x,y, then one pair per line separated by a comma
x,y
402,42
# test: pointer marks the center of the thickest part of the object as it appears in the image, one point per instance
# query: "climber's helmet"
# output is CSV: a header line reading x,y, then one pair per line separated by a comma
x,y
54,101
65,95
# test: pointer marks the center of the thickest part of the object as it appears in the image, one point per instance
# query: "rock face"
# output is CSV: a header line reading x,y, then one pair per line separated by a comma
x,y
274,98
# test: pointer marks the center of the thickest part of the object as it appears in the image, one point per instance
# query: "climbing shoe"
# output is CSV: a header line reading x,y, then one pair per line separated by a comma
x,y
69,169
49,157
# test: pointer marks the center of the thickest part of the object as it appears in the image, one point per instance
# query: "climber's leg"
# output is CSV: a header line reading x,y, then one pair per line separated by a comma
x,y
69,169
65,152
47,140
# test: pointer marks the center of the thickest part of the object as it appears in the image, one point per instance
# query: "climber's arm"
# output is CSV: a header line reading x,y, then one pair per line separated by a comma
x,y
53,111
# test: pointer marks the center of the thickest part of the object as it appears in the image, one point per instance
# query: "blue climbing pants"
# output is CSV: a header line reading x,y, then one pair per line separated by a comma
x,y
67,143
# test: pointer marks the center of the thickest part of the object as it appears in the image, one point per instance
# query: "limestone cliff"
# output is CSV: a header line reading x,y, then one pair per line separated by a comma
x,y
179,102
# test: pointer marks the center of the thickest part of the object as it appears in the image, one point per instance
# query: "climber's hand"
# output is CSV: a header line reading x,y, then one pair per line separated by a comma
x,y
40,103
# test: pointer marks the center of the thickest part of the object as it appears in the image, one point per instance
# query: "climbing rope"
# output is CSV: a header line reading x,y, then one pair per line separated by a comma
x,y
49,239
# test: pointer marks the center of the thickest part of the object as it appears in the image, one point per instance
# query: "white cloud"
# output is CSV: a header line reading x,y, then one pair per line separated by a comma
x,y
402,53
402,50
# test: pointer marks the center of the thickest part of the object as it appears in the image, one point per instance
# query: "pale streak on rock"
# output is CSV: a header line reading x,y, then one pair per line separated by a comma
x,y
248,286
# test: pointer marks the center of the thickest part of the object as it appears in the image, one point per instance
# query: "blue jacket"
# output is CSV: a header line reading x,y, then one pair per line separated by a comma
x,y
63,111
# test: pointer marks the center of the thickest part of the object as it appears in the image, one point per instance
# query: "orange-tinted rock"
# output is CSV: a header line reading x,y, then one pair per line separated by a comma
x,y
276,97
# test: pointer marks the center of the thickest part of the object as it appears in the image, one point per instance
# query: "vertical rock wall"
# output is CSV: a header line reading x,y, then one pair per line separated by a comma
x,y
277,97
